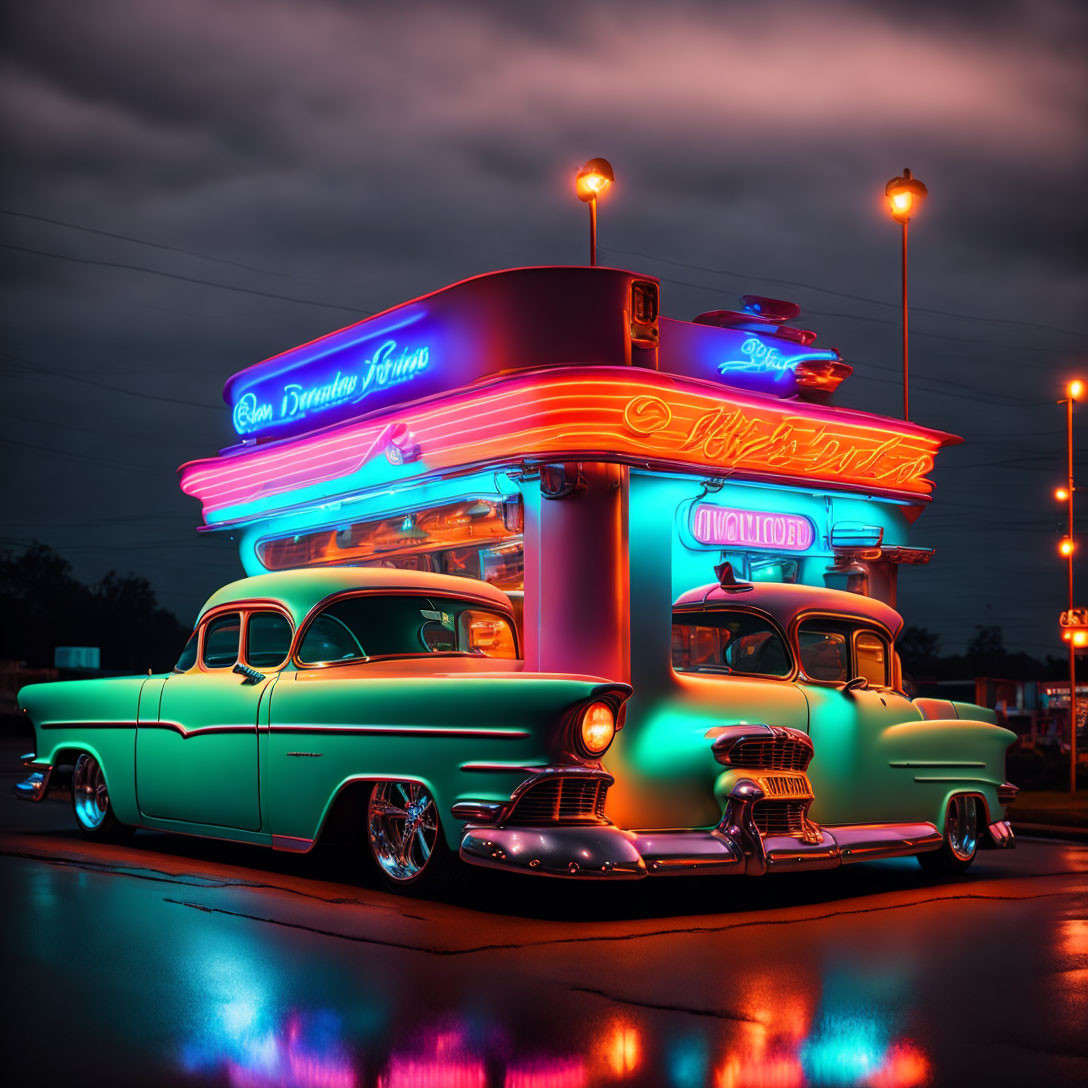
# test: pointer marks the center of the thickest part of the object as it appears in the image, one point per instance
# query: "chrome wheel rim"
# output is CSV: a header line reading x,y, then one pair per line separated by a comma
x,y
962,829
403,828
90,797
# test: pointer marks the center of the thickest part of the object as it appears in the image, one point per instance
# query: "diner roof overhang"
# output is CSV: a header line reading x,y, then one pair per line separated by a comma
x,y
616,414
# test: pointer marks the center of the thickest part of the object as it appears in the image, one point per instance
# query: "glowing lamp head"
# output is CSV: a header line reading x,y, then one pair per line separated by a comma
x,y
597,728
1061,494
1080,638
901,202
593,179
1066,547
1075,389
904,194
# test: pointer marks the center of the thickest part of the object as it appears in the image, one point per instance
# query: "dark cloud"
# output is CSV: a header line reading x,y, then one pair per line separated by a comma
x,y
358,154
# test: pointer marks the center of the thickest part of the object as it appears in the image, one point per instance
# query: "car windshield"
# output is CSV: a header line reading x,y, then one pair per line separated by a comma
x,y
360,627
727,642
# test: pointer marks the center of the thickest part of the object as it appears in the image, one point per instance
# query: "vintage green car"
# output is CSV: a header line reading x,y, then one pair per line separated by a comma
x,y
341,699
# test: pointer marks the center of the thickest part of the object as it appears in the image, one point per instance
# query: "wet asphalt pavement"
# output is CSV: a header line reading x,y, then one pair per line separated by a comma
x,y
182,961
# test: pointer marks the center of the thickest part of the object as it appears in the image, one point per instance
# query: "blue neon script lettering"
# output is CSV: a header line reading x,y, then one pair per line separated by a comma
x,y
761,358
388,366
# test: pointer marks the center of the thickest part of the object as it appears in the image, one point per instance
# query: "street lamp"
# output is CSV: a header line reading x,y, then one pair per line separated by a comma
x,y
592,180
904,194
1067,548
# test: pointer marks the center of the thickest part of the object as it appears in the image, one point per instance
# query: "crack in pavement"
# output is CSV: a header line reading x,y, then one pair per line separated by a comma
x,y
717,1014
609,937
160,876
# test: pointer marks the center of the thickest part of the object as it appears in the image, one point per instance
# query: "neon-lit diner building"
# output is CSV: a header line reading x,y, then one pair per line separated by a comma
x,y
547,430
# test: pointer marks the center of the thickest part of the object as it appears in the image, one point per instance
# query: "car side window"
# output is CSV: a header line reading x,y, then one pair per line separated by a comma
x,y
327,639
871,656
188,655
825,651
720,641
268,639
221,637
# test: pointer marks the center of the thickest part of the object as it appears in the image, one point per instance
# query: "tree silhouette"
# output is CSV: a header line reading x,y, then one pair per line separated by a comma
x,y
43,606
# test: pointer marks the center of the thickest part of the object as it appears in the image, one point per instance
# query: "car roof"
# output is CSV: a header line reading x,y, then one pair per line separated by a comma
x,y
299,590
786,602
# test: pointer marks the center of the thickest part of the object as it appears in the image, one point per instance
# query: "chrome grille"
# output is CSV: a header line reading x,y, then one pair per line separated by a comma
x,y
786,785
559,799
770,754
780,817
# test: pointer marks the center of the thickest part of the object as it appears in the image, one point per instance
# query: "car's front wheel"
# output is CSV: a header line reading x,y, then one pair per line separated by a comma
x,y
91,802
406,839
961,830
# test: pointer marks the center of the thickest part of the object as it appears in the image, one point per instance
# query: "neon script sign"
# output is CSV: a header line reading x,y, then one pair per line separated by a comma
x,y
761,358
782,445
727,527
388,366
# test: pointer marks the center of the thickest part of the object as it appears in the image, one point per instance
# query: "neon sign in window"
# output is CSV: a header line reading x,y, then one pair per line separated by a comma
x,y
761,358
726,527
389,365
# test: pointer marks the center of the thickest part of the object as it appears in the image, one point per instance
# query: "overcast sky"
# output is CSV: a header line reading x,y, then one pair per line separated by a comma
x,y
233,178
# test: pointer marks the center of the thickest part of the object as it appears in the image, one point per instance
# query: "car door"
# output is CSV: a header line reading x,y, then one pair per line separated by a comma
x,y
850,772
199,762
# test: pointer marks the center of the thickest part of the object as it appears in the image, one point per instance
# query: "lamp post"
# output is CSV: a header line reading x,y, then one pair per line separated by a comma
x,y
1074,391
592,180
904,194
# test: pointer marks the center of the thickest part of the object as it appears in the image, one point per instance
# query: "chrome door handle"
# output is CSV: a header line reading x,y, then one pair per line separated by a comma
x,y
252,676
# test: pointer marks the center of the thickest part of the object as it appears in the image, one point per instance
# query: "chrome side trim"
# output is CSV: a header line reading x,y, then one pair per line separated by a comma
x,y
291,844
501,768
934,763
955,778
93,724
399,730
185,733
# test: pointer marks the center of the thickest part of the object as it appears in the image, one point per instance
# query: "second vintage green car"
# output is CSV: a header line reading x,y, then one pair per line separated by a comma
x,y
394,704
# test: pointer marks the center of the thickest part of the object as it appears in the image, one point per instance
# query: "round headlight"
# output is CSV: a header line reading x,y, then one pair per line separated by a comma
x,y
598,728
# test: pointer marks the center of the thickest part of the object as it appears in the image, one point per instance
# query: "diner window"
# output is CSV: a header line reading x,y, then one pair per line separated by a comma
x,y
825,651
360,627
727,642
268,639
221,637
871,654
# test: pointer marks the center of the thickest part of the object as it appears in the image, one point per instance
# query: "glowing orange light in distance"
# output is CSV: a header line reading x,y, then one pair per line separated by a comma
x,y
901,202
1075,389
1066,547
623,1050
1061,494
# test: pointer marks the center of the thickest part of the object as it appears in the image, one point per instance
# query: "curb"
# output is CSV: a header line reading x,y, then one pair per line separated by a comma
x,y
1051,831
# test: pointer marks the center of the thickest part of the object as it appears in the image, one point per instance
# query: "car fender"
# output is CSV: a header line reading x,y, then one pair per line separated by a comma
x,y
944,757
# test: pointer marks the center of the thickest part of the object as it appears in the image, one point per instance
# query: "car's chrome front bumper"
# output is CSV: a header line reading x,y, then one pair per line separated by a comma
x,y
604,851
35,786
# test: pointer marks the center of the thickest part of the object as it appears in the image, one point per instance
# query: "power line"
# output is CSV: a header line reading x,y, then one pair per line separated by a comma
x,y
32,370
842,294
139,241
184,279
